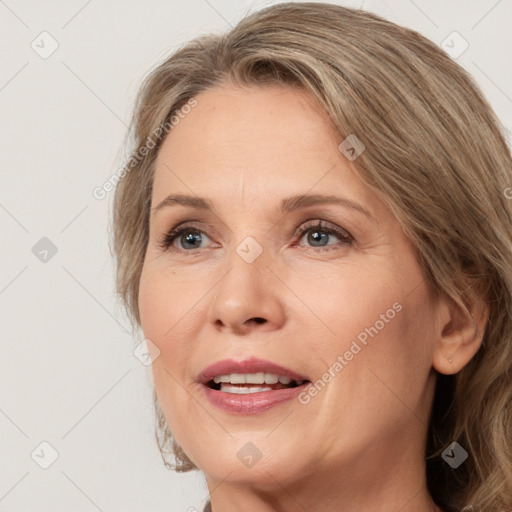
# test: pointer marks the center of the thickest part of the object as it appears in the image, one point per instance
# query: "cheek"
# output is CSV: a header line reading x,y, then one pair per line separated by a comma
x,y
153,302
166,315
164,302
344,301
376,368
379,324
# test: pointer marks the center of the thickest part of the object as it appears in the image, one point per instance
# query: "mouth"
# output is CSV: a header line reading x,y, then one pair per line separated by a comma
x,y
251,386
242,384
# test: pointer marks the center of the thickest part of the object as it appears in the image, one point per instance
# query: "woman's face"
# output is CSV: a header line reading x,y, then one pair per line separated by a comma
x,y
344,305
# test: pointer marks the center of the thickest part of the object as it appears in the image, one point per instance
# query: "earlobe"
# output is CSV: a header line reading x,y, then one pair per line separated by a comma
x,y
460,336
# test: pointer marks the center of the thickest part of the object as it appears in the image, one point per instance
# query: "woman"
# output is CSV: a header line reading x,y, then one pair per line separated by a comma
x,y
314,235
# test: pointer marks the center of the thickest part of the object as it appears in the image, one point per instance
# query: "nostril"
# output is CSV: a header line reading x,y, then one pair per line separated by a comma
x,y
259,320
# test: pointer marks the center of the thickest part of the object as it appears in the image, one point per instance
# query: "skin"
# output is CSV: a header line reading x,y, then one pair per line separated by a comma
x,y
358,444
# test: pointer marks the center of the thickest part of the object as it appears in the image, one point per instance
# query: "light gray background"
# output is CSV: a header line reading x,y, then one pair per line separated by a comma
x,y
68,376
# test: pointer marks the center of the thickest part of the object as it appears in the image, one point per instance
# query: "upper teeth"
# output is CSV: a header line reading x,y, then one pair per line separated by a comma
x,y
254,378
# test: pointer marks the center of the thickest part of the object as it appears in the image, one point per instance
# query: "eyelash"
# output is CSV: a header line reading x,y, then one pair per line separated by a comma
x,y
344,236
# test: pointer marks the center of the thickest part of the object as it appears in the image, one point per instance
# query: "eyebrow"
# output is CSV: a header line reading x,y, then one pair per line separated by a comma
x,y
289,204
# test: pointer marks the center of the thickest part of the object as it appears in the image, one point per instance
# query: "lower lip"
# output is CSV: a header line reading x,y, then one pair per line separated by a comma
x,y
251,403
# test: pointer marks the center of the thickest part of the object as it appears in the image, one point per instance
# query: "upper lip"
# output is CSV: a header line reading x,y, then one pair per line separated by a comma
x,y
252,365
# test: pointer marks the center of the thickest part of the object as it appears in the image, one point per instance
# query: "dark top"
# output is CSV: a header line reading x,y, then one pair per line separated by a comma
x,y
208,507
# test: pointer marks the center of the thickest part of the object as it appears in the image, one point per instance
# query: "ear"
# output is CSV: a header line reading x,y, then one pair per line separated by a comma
x,y
459,334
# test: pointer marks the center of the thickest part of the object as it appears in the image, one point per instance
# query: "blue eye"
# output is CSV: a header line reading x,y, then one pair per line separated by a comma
x,y
190,238
319,233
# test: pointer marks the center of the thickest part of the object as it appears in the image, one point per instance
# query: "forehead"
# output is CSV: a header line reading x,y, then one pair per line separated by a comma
x,y
254,142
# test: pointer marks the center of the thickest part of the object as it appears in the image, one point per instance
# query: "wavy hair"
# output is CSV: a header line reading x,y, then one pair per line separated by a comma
x,y
435,153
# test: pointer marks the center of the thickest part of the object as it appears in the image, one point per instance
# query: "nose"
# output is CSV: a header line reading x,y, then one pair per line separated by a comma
x,y
248,297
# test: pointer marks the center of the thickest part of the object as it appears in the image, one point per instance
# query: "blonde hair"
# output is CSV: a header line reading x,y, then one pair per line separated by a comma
x,y
436,155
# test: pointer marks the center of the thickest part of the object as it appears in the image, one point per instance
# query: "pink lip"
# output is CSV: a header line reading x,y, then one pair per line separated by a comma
x,y
252,365
251,403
